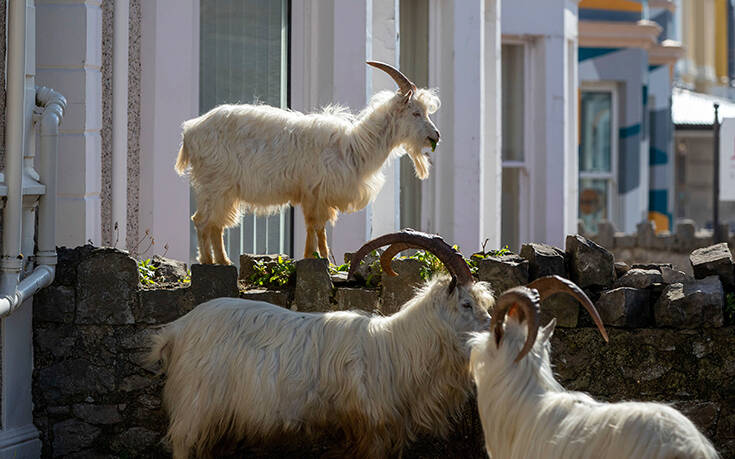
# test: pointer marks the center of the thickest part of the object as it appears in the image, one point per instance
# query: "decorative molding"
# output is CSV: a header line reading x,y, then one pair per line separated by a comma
x,y
607,34
663,4
665,53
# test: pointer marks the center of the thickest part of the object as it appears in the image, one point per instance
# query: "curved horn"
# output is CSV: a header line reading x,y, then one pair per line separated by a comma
x,y
550,285
528,301
391,252
404,84
409,238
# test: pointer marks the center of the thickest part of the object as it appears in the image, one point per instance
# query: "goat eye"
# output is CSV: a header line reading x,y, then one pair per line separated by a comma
x,y
416,114
467,305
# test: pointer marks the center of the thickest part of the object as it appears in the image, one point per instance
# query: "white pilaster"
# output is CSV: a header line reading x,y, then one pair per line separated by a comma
x,y
385,214
463,197
169,96
349,81
69,43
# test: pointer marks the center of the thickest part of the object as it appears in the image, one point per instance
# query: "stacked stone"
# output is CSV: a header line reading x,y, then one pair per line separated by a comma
x,y
94,397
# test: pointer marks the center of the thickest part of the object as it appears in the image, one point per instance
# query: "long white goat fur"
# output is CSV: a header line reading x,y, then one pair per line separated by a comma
x,y
258,158
248,369
526,413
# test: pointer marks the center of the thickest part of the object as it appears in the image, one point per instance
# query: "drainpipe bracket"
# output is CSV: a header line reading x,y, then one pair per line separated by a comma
x,y
11,264
47,257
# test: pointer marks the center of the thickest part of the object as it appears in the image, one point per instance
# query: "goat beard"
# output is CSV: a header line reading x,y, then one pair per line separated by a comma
x,y
421,161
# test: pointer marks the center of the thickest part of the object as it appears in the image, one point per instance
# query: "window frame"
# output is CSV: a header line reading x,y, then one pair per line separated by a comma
x,y
612,176
525,166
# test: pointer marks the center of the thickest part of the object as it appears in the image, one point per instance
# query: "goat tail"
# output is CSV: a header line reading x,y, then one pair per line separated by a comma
x,y
182,160
161,350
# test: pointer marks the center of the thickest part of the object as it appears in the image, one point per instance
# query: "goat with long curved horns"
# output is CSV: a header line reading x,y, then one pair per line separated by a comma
x,y
526,413
259,158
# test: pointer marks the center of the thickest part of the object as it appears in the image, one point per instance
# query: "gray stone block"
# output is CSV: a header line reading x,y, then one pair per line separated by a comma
x,y
606,234
160,306
692,304
621,268
396,290
625,307
213,281
684,235
277,297
107,288
503,272
562,307
55,303
714,260
645,234
357,298
590,265
656,266
625,241
313,285
73,435
167,269
97,414
543,260
663,241
672,276
639,278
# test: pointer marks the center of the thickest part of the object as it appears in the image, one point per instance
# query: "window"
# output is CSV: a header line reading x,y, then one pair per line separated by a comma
x,y
515,167
597,156
243,58
414,63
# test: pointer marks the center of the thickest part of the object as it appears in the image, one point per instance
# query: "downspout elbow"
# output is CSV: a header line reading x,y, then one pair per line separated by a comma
x,y
53,104
41,277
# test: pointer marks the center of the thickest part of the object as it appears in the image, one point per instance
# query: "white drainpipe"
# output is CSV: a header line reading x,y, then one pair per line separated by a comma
x,y
11,262
53,105
120,121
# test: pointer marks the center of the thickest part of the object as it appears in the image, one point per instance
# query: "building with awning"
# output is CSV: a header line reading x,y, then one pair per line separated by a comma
x,y
693,115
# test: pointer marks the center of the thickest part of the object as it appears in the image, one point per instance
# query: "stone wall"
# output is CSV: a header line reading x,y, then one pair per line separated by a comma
x,y
647,246
669,339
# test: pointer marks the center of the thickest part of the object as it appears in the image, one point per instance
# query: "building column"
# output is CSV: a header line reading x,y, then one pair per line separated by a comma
x,y
385,214
69,56
463,195
169,96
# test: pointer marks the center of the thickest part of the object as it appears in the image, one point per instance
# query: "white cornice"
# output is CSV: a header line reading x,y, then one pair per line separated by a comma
x,y
612,34
668,52
663,4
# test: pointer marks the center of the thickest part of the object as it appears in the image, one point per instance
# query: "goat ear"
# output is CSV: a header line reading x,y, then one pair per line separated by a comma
x,y
548,331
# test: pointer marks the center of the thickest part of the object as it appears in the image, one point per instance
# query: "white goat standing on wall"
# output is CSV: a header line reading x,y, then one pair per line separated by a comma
x,y
250,370
259,158
526,413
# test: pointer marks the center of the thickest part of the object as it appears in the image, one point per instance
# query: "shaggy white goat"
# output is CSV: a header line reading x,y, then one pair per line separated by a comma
x,y
526,413
259,158
238,369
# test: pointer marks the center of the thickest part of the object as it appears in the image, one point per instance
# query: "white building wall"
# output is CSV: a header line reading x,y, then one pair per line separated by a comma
x,y
549,30
462,199
68,59
169,96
